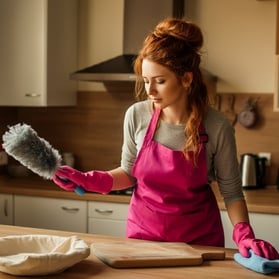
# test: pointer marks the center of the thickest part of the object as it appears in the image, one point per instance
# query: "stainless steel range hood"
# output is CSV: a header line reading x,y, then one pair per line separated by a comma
x,y
140,17
119,68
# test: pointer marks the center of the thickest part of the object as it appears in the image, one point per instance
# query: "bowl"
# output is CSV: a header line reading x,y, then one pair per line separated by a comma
x,y
31,255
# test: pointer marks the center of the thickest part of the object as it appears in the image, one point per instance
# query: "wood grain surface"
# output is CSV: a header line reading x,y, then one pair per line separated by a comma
x,y
125,254
93,268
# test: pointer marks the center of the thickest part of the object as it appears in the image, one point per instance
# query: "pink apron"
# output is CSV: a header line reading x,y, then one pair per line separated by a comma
x,y
172,200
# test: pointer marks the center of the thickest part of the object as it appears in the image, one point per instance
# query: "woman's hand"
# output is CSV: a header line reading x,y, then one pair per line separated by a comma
x,y
244,238
93,181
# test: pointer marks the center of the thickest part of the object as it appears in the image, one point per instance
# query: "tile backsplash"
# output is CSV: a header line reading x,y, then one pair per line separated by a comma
x,y
92,130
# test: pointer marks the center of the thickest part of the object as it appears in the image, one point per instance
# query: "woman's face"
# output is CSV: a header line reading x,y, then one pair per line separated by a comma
x,y
162,86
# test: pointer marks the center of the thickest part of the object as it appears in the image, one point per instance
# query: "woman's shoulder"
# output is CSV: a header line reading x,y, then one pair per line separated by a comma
x,y
216,120
216,115
139,110
220,132
137,118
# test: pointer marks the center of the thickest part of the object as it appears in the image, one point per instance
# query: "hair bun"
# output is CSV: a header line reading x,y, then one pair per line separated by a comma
x,y
184,30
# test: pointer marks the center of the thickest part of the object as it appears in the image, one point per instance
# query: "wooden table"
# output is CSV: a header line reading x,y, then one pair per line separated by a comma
x,y
93,268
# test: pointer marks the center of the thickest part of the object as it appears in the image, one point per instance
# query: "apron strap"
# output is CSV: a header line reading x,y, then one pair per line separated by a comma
x,y
152,126
203,136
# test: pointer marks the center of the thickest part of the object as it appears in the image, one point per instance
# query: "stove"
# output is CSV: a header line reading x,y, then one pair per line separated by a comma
x,y
125,192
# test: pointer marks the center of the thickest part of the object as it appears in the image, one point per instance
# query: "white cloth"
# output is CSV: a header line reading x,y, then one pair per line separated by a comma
x,y
40,254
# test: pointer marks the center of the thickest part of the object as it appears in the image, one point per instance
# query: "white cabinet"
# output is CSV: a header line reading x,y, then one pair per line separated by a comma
x,y
228,228
38,50
50,213
107,218
265,227
6,209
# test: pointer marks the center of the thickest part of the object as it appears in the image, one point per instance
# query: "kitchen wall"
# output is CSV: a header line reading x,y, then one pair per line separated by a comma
x,y
93,129
239,48
101,25
239,51
239,42
263,136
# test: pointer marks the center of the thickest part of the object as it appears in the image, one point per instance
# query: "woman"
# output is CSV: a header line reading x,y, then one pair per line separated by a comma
x,y
174,146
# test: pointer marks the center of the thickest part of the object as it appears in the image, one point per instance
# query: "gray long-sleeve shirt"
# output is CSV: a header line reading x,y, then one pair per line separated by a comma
x,y
222,163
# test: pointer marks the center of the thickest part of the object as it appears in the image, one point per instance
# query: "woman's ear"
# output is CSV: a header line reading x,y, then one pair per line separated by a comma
x,y
187,79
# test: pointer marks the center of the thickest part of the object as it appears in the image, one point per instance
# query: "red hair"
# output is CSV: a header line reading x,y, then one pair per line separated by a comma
x,y
176,44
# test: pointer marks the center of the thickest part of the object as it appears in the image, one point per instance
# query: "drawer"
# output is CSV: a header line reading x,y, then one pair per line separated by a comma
x,y
107,227
50,213
108,210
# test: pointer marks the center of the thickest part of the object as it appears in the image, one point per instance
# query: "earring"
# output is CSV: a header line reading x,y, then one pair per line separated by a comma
x,y
188,89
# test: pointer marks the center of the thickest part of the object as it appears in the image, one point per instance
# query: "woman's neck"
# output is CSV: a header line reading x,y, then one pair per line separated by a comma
x,y
175,117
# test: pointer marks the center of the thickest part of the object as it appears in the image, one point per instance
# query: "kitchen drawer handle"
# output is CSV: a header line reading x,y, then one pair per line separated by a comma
x,y
70,209
104,211
32,95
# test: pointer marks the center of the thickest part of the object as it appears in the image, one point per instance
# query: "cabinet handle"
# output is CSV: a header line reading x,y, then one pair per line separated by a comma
x,y
32,95
104,211
70,209
6,208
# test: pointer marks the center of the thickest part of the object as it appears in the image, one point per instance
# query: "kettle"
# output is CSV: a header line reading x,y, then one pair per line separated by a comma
x,y
252,170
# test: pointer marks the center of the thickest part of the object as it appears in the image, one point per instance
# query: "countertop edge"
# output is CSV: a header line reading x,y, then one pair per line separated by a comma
x,y
265,200
29,187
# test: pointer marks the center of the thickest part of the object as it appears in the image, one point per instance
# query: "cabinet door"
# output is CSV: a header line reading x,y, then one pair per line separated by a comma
x,y
107,218
107,227
32,66
229,243
6,209
49,213
23,51
266,227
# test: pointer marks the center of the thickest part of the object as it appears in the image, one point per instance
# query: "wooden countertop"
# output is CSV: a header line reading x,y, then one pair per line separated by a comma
x,y
264,200
92,267
36,186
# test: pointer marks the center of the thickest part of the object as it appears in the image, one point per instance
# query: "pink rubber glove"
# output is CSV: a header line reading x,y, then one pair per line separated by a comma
x,y
244,238
92,181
